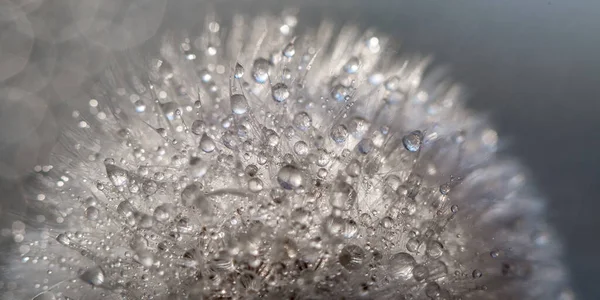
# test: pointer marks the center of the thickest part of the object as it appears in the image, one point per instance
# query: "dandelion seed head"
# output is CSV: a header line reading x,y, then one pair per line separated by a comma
x,y
261,160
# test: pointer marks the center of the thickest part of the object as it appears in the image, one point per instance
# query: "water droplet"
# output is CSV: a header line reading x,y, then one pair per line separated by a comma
x,y
289,50
255,185
352,257
365,146
289,177
302,121
445,188
63,239
117,176
301,148
352,65
198,127
170,109
125,209
477,273
412,141
343,195
420,272
340,93
280,92
435,249
339,133
93,276
260,70
401,266
358,127
207,144
162,213
139,106
92,213
238,71
353,168
239,105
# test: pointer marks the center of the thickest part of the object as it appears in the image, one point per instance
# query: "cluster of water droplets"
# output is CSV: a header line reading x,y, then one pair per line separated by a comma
x,y
253,162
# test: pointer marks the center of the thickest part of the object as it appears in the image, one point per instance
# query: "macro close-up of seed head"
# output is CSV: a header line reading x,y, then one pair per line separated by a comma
x,y
262,156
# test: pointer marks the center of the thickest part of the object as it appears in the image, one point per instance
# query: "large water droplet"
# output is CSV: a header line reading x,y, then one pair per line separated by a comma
x,y
340,93
260,70
117,176
238,71
280,92
401,266
302,121
352,65
289,50
412,141
207,144
289,177
93,276
352,257
239,104
343,195
339,133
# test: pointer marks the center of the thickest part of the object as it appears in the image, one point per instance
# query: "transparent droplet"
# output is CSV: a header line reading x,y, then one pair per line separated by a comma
x,y
289,50
352,257
401,266
280,92
239,104
289,177
476,274
358,126
353,168
435,249
260,70
92,213
301,148
420,272
45,296
302,121
93,276
238,71
340,93
198,127
207,144
339,133
63,239
365,146
412,141
255,185
162,213
117,176
343,195
352,65
125,208
170,109
139,106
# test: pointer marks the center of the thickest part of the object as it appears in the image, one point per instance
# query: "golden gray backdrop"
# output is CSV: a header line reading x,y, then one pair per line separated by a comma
x,y
533,66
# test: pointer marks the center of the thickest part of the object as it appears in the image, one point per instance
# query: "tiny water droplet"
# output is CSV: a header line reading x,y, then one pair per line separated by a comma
x,y
260,70
280,92
412,141
289,177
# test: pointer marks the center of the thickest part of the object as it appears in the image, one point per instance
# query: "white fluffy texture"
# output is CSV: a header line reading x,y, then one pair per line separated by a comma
x,y
285,239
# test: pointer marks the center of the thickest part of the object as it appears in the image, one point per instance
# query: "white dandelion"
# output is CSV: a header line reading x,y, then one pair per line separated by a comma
x,y
263,159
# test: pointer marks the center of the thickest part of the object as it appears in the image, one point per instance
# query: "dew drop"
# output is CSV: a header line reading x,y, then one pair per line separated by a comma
x,y
339,134
289,177
93,276
302,121
289,50
352,65
239,104
238,71
255,185
401,266
301,148
207,144
280,92
352,257
343,195
117,176
340,93
412,141
260,70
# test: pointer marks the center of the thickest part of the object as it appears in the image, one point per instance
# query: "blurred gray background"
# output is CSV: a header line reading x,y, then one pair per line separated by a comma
x,y
532,65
